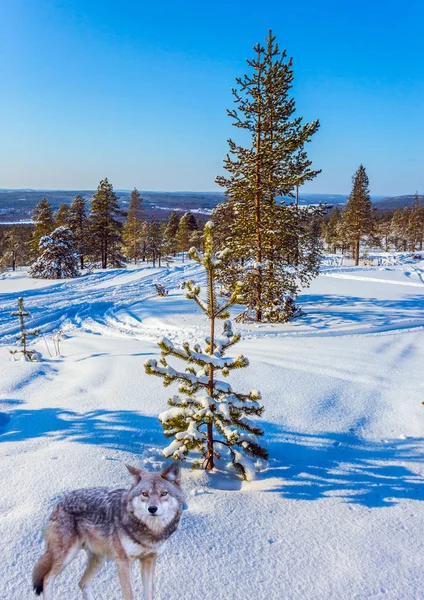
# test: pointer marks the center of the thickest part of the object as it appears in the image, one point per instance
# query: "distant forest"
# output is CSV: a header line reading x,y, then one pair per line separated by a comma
x,y
17,205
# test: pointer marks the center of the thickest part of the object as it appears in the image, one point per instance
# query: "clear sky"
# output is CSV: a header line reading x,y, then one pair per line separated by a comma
x,y
138,91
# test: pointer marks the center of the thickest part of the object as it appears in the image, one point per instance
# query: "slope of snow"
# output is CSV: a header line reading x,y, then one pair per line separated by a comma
x,y
338,511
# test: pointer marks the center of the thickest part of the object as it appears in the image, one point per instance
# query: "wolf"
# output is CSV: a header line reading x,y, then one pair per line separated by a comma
x,y
123,525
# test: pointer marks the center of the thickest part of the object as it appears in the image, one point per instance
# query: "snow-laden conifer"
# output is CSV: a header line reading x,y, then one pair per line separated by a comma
x,y
58,257
208,416
25,335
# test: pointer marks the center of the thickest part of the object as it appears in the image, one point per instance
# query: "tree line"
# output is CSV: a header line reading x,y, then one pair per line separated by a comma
x,y
358,223
102,234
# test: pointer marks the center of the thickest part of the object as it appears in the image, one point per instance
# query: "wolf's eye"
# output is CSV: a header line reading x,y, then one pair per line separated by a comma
x,y
164,493
145,494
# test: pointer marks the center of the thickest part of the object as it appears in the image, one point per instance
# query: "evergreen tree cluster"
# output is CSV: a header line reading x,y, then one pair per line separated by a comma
x,y
407,226
100,233
15,246
359,224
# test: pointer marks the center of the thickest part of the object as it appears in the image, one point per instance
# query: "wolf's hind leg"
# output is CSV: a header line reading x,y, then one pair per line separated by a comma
x,y
61,560
93,565
148,564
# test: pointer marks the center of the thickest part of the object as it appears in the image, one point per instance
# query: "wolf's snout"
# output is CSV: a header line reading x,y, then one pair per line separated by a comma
x,y
153,509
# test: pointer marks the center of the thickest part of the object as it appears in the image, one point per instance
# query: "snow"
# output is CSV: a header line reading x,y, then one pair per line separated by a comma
x,y
338,512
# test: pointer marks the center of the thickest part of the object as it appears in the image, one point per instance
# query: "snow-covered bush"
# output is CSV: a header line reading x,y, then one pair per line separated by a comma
x,y
161,289
58,257
282,312
209,414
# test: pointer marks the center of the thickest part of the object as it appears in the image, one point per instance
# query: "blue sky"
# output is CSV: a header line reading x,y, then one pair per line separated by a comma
x,y
138,91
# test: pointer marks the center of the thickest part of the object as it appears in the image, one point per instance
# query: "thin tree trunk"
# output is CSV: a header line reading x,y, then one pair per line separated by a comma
x,y
258,206
210,454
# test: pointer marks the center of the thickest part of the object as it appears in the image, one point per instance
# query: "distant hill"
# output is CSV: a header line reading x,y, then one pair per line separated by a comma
x,y
17,205
394,202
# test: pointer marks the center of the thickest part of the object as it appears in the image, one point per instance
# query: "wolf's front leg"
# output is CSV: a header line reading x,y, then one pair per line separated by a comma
x,y
148,564
124,574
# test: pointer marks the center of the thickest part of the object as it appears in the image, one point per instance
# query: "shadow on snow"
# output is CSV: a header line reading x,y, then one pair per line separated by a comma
x,y
323,311
367,472
302,466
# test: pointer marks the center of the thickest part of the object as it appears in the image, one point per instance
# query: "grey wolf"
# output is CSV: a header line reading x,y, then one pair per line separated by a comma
x,y
123,525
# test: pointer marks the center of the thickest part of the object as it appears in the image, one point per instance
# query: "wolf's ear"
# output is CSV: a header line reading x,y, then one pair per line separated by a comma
x,y
136,473
172,473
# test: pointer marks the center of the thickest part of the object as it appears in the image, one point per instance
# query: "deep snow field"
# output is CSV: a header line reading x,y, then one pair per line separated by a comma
x,y
338,513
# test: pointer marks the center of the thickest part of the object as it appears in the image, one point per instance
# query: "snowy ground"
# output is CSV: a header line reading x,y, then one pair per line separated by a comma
x,y
337,514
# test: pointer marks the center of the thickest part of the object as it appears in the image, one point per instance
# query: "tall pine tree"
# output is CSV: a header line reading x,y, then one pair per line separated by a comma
x,y
62,217
274,164
357,214
332,234
155,240
42,217
106,226
171,231
79,224
186,226
134,228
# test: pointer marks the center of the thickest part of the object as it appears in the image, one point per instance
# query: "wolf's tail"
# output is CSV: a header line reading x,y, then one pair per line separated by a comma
x,y
41,569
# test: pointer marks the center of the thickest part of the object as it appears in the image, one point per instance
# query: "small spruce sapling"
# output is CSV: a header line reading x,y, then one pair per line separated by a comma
x,y
23,337
209,413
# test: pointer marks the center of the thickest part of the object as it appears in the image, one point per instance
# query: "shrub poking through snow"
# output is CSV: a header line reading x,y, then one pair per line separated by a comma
x,y
161,290
23,337
209,416
58,257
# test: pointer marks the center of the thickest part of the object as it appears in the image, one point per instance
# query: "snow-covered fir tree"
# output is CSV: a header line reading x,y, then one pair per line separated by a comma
x,y
25,335
58,256
208,416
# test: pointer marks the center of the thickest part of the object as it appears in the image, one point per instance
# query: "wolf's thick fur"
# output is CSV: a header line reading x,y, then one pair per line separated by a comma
x,y
123,525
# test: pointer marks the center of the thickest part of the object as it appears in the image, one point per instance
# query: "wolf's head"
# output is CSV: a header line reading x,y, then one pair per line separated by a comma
x,y
155,498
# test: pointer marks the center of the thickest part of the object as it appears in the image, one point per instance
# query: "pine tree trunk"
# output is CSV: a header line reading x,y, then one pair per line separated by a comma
x,y
13,260
82,261
210,454
105,256
357,251
258,204
296,250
